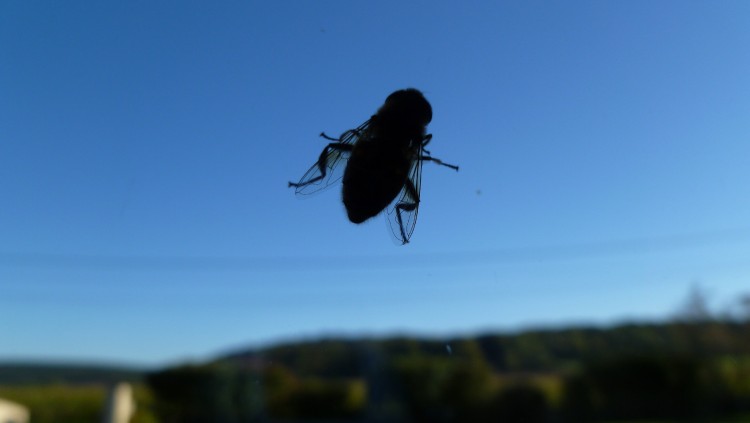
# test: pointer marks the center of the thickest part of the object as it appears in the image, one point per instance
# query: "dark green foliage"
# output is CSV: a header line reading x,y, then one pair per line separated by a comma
x,y
455,380
458,390
287,397
326,358
214,393
533,351
565,349
696,371
673,387
76,374
228,394
522,403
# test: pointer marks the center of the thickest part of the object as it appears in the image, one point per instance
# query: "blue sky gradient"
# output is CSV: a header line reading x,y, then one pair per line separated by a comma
x,y
145,151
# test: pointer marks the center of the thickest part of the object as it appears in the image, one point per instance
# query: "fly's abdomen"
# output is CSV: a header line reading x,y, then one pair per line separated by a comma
x,y
371,182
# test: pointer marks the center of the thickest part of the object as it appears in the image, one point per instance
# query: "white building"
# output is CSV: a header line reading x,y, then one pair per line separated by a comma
x,y
10,412
120,404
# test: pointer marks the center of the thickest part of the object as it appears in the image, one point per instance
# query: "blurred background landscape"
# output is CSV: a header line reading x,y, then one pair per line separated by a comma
x,y
694,368
588,263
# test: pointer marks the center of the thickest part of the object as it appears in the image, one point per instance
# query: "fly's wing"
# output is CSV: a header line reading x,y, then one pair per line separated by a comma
x,y
329,169
402,214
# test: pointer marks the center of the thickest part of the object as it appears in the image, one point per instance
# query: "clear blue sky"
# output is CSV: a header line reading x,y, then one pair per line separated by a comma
x,y
145,150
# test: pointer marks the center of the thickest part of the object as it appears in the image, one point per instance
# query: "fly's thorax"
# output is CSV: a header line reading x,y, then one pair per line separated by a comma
x,y
382,155
396,133
397,126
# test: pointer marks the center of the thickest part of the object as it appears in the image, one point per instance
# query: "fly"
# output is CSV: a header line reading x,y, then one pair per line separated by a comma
x,y
379,161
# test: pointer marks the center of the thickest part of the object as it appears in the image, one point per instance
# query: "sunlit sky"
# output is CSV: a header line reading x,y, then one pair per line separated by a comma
x,y
145,150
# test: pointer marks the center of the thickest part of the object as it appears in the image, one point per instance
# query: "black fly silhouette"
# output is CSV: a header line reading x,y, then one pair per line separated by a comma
x,y
379,161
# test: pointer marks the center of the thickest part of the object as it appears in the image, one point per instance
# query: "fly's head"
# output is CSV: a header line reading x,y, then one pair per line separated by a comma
x,y
408,106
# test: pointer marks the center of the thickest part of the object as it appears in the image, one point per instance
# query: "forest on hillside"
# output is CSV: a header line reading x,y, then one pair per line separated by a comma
x,y
678,371
688,371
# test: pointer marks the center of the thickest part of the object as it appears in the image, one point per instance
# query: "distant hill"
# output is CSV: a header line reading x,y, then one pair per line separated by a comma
x,y
78,374
538,351
546,351
677,371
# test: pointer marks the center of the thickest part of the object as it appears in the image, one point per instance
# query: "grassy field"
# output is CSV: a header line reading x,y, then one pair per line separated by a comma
x,y
62,403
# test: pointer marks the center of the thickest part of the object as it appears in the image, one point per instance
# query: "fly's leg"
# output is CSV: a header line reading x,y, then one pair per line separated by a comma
x,y
351,132
438,161
323,134
426,140
323,162
407,207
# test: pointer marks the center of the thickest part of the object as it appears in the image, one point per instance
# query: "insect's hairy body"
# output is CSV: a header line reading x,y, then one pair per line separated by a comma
x,y
378,162
384,154
376,173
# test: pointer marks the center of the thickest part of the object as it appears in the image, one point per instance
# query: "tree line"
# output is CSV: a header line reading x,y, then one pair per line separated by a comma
x,y
688,371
